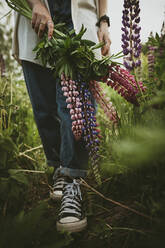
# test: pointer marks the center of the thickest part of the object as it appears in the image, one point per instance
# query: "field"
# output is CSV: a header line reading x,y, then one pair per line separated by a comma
x,y
128,208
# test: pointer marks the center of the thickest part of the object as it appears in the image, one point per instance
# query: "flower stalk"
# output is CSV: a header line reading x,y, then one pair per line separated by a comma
x,y
131,43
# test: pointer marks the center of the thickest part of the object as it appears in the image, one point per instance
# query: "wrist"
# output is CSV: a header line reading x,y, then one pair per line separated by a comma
x,y
104,24
103,20
33,3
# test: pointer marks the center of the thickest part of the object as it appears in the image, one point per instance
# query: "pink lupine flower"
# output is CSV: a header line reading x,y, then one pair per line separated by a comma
x,y
124,83
74,104
104,102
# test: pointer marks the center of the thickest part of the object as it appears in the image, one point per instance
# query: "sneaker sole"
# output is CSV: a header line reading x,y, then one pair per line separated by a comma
x,y
55,197
72,227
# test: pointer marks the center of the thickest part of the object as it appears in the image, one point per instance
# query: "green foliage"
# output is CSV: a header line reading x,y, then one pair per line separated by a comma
x,y
132,168
158,42
8,149
21,6
68,53
5,41
6,31
17,131
133,158
34,229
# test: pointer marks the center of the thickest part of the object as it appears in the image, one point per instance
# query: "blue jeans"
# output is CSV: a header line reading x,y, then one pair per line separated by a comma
x,y
53,122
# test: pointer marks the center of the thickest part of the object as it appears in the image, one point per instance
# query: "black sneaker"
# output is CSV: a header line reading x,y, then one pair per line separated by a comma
x,y
71,217
57,189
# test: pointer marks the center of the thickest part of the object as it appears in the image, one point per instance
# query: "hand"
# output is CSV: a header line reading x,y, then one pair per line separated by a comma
x,y
41,19
104,36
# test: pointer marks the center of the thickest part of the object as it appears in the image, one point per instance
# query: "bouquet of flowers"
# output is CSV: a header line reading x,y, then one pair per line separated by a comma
x,y
73,59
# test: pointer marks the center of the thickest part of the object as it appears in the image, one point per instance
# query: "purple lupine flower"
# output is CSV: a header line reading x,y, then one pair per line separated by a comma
x,y
151,60
90,132
131,34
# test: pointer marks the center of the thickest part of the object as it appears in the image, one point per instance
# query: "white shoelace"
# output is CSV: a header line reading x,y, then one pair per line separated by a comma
x,y
71,199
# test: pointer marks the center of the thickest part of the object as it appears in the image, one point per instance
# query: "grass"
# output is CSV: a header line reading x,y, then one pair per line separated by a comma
x,y
126,210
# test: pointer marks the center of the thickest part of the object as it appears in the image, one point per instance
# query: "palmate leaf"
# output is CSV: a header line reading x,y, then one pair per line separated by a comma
x,y
99,69
64,68
68,53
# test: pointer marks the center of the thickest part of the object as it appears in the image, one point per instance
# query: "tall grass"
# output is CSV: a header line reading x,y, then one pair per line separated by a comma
x,y
132,169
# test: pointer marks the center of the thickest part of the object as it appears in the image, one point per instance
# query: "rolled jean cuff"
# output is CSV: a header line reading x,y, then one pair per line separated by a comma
x,y
73,173
53,163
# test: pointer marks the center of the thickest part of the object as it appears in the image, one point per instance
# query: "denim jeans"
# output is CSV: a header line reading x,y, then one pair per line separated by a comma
x,y
53,122
68,156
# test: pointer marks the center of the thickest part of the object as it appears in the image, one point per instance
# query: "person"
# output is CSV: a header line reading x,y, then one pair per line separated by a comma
x,y
68,156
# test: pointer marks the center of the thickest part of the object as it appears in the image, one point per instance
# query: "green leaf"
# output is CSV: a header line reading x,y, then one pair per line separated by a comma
x,y
74,52
3,160
67,43
71,32
40,45
18,176
59,25
80,34
119,53
97,46
7,144
89,43
60,33
157,37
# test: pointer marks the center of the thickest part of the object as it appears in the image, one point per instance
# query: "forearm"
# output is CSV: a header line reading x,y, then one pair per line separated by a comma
x,y
33,2
103,7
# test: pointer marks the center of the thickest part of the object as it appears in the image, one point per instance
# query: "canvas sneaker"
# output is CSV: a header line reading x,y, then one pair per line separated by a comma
x,y
71,217
57,189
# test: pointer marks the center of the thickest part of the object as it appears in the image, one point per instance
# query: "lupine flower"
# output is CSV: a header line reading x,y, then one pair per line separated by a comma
x,y
90,131
131,34
124,83
151,60
70,91
82,112
103,101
